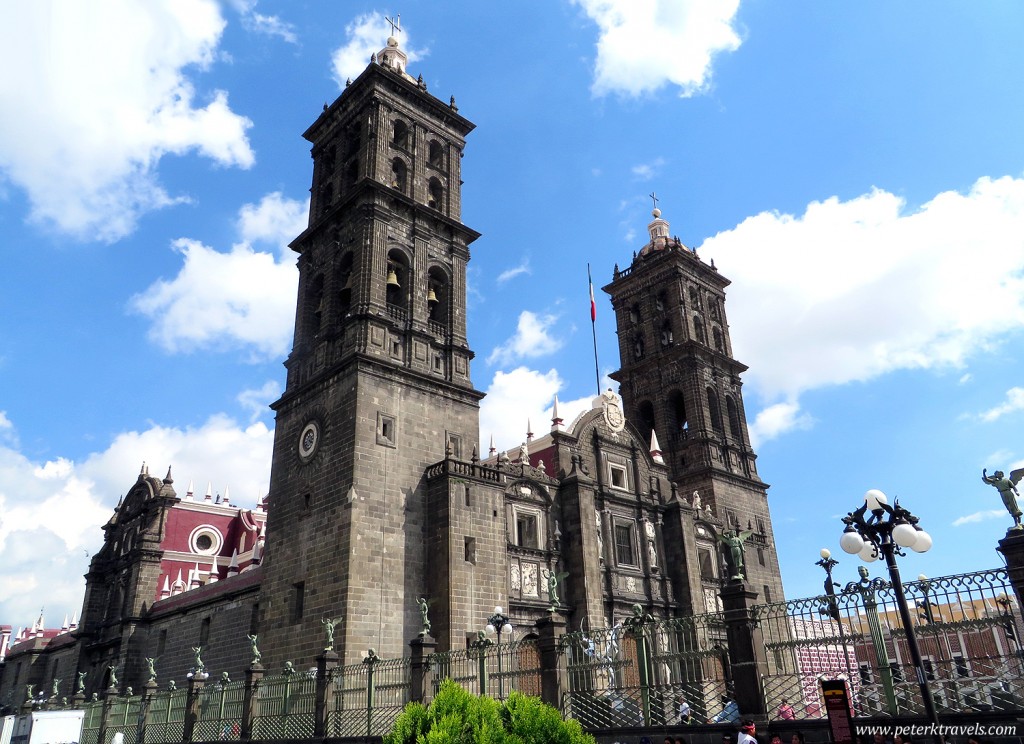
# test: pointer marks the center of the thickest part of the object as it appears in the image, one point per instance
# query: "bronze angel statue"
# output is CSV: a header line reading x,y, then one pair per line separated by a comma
x,y
1007,488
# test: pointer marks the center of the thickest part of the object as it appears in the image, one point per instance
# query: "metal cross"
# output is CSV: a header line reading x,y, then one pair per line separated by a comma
x,y
396,25
655,199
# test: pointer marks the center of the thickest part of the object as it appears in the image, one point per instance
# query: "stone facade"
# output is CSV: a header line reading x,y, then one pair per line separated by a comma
x,y
378,494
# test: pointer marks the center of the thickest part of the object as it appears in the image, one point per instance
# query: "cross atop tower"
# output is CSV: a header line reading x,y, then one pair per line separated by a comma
x,y
654,198
396,24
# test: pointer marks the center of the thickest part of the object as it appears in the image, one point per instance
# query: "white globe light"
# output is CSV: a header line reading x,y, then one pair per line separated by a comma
x,y
874,498
923,543
869,553
506,628
904,534
922,577
851,542
498,610
826,554
489,629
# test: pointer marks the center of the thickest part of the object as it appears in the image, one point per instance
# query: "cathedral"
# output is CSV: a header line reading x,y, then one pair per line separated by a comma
x,y
379,496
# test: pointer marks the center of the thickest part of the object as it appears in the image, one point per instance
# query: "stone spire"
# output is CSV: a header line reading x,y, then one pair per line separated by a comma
x,y
656,448
556,420
209,492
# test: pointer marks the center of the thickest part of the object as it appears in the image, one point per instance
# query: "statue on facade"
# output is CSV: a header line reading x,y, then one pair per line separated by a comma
x,y
733,548
56,687
113,676
1007,488
424,605
151,669
696,501
553,580
256,655
198,664
329,624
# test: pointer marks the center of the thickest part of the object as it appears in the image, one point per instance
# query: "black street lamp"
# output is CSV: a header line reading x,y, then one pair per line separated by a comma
x,y
876,527
497,624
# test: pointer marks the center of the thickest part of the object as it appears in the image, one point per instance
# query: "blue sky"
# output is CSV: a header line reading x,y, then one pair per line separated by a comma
x,y
857,170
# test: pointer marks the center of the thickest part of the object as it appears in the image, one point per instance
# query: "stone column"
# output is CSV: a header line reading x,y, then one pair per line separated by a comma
x,y
195,688
746,649
552,682
421,689
145,715
251,703
325,665
109,696
1012,548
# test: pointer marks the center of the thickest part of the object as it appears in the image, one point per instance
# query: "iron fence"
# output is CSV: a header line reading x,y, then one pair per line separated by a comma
x,y
166,717
967,628
285,707
368,697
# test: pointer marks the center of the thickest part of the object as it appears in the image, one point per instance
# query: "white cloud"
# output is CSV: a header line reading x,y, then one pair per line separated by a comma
x,y
512,398
523,268
980,516
101,95
55,552
367,35
532,339
275,220
776,420
1014,402
965,378
647,44
243,298
863,287
263,24
258,401
647,171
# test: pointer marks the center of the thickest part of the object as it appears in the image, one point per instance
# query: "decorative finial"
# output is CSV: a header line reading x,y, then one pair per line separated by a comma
x,y
654,198
452,105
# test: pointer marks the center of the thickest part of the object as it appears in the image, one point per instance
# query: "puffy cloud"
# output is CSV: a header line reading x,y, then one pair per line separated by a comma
x,y
532,339
241,299
43,558
776,420
1014,402
363,37
101,95
275,220
645,45
525,394
863,287
512,398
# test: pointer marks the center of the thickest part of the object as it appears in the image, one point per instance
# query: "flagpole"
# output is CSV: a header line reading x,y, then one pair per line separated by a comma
x,y
593,329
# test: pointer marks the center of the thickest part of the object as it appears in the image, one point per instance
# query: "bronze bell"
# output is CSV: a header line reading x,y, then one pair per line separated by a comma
x,y
431,297
393,278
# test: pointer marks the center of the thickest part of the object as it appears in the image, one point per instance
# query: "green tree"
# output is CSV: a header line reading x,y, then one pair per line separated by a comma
x,y
456,716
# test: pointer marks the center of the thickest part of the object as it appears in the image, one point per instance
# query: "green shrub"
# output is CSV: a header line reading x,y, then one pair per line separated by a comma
x,y
456,716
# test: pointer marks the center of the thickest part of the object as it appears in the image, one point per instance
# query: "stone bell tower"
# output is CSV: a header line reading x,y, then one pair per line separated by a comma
x,y
679,379
378,382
